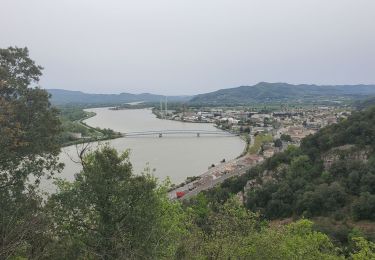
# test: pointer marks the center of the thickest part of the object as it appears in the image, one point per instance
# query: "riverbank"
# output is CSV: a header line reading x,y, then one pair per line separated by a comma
x,y
158,115
246,139
87,133
215,176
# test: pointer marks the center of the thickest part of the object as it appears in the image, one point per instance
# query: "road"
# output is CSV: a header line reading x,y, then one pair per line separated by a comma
x,y
216,175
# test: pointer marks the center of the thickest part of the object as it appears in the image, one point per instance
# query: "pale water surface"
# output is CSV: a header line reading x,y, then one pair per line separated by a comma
x,y
175,156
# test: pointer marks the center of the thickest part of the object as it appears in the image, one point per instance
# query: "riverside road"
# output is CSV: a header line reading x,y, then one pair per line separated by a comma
x,y
216,175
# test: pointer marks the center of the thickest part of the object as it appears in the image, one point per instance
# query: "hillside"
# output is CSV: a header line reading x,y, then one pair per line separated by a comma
x,y
330,176
279,92
64,97
362,104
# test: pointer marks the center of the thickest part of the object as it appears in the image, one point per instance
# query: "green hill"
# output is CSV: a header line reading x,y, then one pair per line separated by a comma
x,y
281,92
330,177
362,104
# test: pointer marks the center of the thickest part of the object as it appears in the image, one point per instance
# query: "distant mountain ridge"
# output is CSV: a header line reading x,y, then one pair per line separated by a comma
x,y
64,97
269,92
259,93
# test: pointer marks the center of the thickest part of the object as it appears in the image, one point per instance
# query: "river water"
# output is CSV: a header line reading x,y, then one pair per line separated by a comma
x,y
176,157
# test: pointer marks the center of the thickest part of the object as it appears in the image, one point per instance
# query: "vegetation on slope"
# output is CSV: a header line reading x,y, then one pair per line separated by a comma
x,y
72,123
331,175
259,140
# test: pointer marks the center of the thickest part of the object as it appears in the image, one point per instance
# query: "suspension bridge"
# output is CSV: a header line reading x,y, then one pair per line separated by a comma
x,y
161,133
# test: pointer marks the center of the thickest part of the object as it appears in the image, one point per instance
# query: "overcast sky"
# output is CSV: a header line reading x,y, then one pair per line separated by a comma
x,y
192,46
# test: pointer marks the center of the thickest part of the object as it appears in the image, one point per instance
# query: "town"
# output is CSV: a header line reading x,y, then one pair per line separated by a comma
x,y
266,132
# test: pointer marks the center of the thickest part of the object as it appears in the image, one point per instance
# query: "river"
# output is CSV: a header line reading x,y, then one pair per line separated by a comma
x,y
176,157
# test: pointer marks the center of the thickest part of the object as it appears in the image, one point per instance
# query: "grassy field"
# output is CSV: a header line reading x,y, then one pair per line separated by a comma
x,y
259,140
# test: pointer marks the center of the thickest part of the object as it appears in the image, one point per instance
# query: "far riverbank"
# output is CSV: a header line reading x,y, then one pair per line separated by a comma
x,y
96,134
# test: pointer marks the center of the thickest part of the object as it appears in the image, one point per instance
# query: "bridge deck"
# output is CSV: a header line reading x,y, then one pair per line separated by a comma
x,y
177,132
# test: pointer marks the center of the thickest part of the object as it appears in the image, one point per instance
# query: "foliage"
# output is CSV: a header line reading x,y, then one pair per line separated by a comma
x,y
358,129
260,139
285,138
109,213
72,123
29,130
278,143
303,187
232,232
331,175
364,207
29,125
73,113
365,249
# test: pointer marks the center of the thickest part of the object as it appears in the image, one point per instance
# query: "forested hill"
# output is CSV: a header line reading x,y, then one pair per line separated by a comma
x,y
63,97
278,92
331,175
363,104
259,93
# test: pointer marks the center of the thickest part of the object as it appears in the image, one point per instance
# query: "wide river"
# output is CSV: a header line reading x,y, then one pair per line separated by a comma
x,y
175,156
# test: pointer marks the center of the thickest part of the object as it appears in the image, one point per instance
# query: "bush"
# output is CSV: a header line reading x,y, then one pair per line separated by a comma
x,y
364,207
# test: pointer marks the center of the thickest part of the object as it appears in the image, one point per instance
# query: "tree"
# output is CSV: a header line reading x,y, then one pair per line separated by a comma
x,y
278,143
365,249
286,138
223,235
110,213
364,207
29,130
29,125
232,232
294,241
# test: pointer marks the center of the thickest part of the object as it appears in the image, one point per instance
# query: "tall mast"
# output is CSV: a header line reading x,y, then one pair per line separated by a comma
x,y
161,107
166,106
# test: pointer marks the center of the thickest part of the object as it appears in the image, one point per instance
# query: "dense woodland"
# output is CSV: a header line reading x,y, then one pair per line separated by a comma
x,y
109,212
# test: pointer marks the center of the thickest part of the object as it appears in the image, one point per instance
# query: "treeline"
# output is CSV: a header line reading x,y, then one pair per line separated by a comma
x,y
70,118
108,212
72,123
